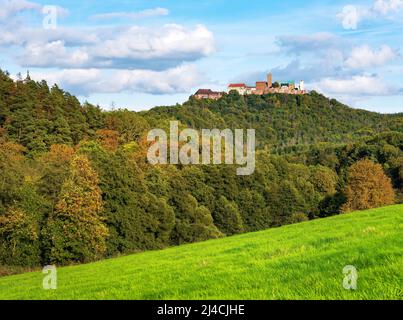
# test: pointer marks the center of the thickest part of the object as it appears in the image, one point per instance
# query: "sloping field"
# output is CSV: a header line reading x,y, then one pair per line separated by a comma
x,y
301,261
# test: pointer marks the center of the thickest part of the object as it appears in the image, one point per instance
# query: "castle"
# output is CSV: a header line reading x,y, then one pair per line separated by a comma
x,y
262,87
208,94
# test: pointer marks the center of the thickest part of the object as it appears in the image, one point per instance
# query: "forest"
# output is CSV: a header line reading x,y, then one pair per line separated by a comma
x,y
75,184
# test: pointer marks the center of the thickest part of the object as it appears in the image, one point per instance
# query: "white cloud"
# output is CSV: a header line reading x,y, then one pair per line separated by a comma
x,y
364,57
113,46
24,36
352,15
171,40
14,30
130,47
148,13
107,59
360,85
315,56
295,44
8,8
384,7
53,53
87,81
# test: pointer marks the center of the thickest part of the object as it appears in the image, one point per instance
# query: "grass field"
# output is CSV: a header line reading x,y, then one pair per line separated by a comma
x,y
302,261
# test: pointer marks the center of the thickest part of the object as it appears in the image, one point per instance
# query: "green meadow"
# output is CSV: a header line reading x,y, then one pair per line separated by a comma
x,y
300,261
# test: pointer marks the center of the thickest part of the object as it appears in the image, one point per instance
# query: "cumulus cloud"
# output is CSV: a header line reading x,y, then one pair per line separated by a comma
x,y
86,81
364,57
164,46
124,47
384,7
360,85
24,36
351,15
8,8
132,47
327,55
331,65
14,30
296,44
110,58
52,54
114,47
296,71
314,56
148,13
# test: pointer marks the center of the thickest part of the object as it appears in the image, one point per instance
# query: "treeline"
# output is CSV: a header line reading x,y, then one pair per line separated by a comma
x,y
75,185
37,116
385,149
281,120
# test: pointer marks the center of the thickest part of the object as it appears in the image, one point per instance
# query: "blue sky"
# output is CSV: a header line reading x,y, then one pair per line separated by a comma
x,y
138,54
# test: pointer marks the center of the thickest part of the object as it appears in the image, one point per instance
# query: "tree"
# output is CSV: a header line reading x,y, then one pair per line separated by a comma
x,y
367,187
130,125
297,217
55,166
76,232
12,168
19,234
255,213
109,139
193,221
227,217
21,208
325,180
136,218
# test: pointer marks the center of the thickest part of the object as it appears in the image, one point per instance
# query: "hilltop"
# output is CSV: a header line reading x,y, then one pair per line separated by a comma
x,y
302,261
281,120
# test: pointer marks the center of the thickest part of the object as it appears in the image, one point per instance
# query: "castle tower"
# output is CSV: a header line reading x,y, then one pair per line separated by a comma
x,y
301,85
270,80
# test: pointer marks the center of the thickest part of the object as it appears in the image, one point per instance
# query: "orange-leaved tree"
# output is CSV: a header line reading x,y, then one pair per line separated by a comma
x,y
367,187
109,139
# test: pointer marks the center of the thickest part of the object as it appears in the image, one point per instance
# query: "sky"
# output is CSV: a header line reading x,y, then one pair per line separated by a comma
x,y
137,54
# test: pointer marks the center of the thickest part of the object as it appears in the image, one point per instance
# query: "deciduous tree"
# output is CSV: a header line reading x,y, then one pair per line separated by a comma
x,y
367,187
76,231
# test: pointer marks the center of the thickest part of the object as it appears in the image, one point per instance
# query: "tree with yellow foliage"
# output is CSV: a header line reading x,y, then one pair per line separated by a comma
x,y
367,187
76,231
19,234
109,139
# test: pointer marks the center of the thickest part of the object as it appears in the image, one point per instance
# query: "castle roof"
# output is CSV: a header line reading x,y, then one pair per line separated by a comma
x,y
237,85
204,91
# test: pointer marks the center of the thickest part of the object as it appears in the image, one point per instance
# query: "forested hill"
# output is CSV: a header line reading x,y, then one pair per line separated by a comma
x,y
36,116
76,186
281,120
